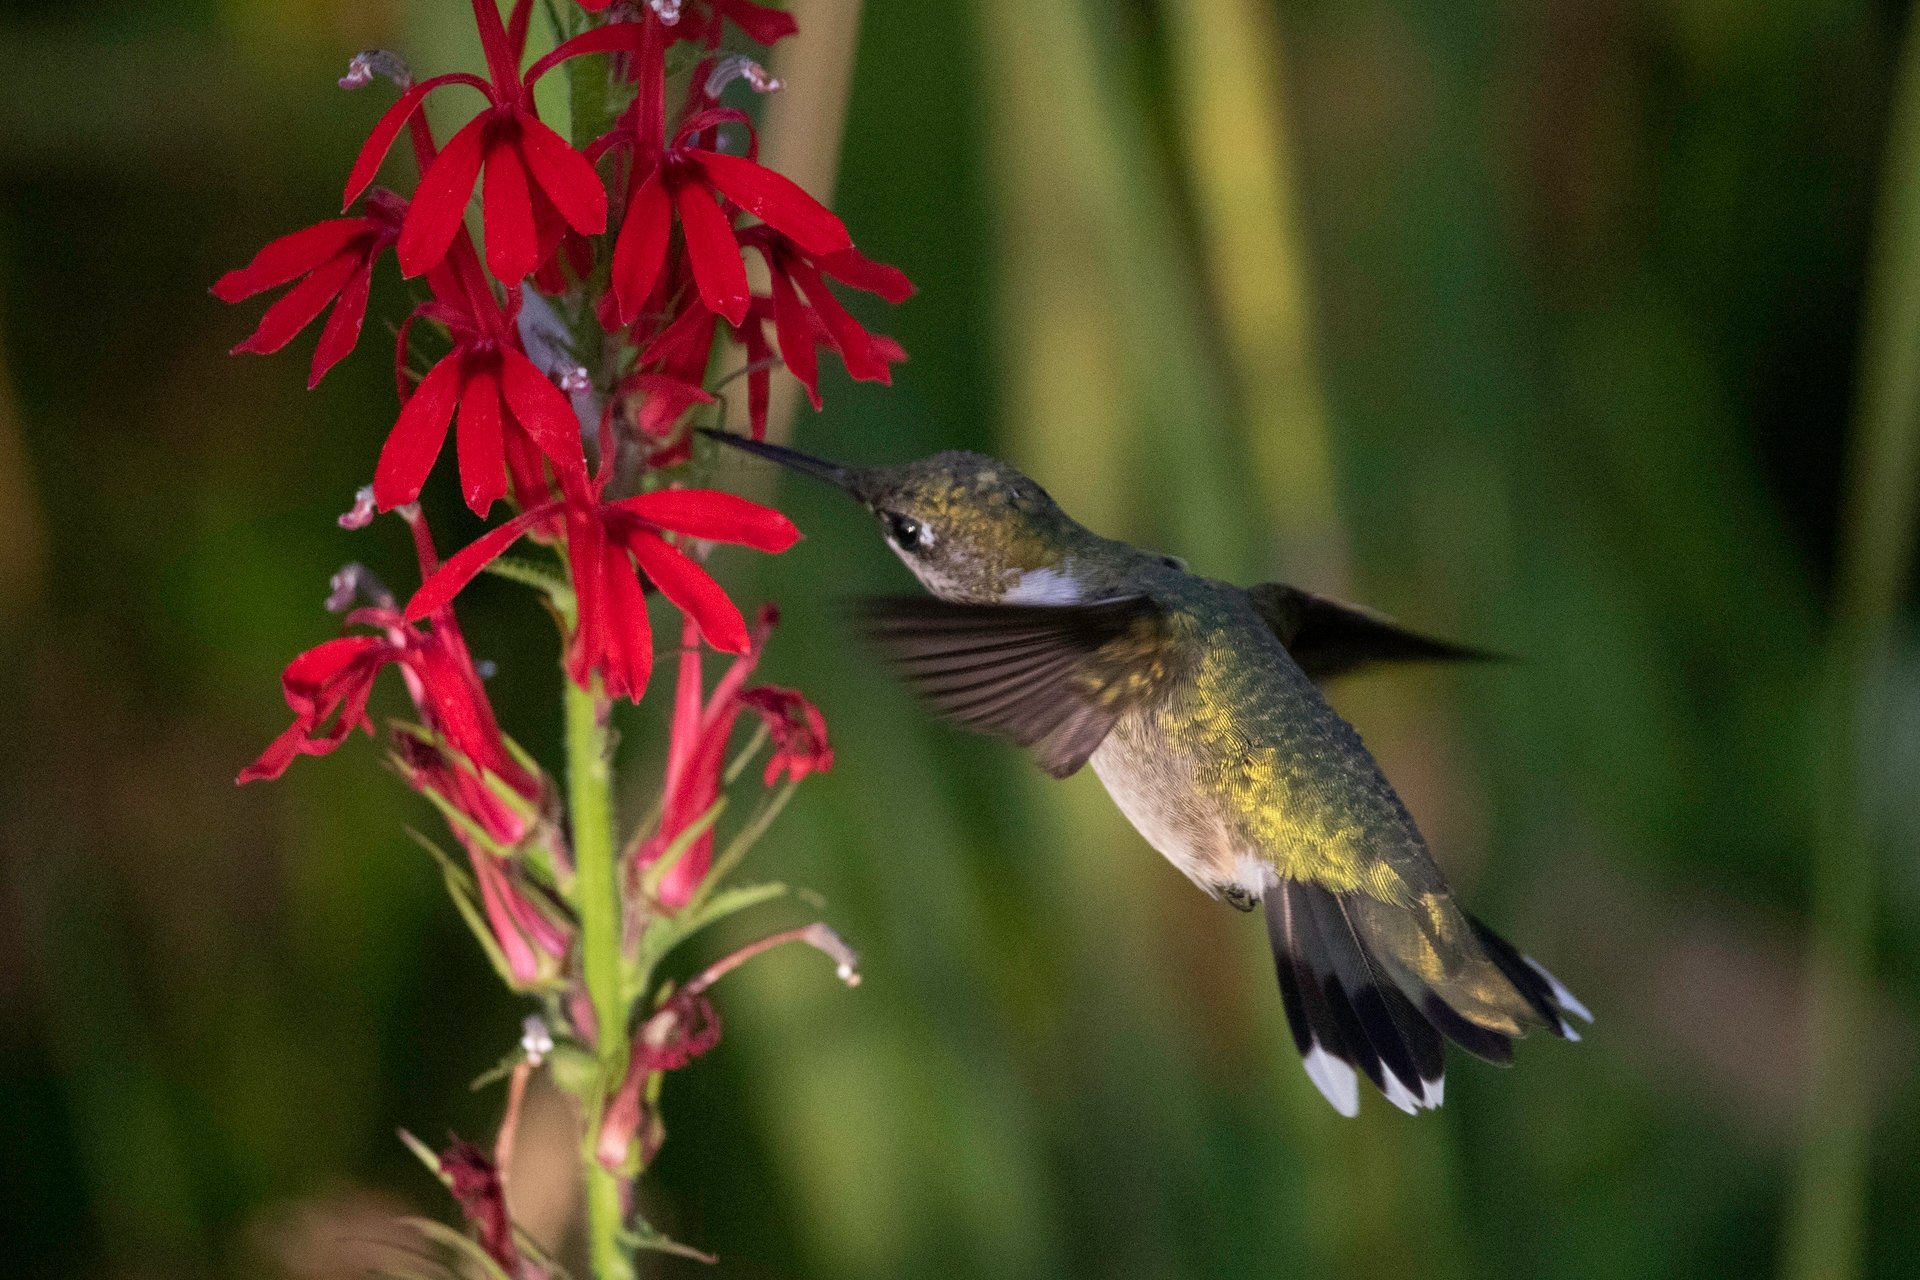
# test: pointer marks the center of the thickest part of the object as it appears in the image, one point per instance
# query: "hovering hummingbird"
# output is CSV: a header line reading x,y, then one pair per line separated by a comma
x,y
1196,703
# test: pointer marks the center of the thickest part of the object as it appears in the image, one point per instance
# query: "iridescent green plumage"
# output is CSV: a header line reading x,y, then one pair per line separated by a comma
x,y
1196,704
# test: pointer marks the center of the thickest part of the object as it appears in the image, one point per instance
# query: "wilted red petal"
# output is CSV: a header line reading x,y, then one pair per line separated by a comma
x,y
475,1183
852,267
343,326
691,590
448,580
289,257
714,516
416,437
506,205
483,453
440,203
565,175
544,411
715,254
641,249
776,200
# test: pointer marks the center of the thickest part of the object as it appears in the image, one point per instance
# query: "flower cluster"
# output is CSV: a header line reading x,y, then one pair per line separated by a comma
x,y
613,282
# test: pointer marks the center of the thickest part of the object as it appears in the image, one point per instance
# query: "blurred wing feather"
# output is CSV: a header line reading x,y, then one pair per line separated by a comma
x,y
1330,638
1052,678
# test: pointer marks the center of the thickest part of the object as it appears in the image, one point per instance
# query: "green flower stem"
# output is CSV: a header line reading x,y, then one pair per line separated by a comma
x,y
597,898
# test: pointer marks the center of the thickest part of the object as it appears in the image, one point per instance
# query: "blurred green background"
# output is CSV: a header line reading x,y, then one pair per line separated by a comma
x,y
1548,324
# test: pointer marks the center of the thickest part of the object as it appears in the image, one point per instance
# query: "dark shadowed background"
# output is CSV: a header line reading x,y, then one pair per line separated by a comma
x,y
1540,323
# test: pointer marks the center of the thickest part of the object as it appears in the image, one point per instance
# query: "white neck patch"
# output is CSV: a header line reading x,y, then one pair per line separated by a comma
x,y
1045,586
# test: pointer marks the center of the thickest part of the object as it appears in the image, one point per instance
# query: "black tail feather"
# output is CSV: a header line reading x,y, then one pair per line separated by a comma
x,y
1350,1014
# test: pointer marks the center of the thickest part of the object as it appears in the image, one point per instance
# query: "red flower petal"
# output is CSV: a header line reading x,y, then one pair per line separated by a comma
x,y
855,344
612,38
565,175
416,437
691,590
714,516
776,200
797,348
512,239
460,568
641,249
850,266
759,377
483,452
762,24
366,166
289,257
715,254
296,308
586,547
544,411
343,326
440,203
627,635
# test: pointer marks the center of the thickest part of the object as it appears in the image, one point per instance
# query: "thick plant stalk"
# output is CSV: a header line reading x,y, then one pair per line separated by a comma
x,y
1882,507
590,805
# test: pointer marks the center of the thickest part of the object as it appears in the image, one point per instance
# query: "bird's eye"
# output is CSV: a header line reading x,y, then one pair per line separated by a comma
x,y
904,531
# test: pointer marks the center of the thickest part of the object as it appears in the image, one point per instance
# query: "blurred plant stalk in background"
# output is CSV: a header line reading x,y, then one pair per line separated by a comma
x,y
1859,720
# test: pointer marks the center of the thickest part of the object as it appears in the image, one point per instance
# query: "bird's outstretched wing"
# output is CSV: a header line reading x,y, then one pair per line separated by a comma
x,y
1329,637
1052,678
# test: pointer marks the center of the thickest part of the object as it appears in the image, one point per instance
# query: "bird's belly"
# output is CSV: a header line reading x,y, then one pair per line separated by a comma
x,y
1156,789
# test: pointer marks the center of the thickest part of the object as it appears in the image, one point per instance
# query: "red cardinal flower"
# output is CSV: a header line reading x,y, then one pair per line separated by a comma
x,y
806,315
799,731
535,184
690,180
333,261
328,687
502,399
697,755
605,543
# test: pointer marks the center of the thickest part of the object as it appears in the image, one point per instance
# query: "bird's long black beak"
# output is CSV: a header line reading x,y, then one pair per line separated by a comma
x,y
849,479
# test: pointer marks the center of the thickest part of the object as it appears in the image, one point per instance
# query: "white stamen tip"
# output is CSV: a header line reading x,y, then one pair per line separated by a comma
x,y
536,1041
363,510
371,64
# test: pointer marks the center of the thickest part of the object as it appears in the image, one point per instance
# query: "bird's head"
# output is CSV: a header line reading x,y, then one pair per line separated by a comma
x,y
970,527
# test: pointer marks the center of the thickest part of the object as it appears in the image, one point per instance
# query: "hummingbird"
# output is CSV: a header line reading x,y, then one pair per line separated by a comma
x,y
1198,705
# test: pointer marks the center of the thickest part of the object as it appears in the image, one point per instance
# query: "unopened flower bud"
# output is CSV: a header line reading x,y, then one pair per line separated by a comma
x,y
369,64
737,66
362,512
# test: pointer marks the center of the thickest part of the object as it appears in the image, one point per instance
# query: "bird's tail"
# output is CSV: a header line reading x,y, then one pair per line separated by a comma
x,y
1373,988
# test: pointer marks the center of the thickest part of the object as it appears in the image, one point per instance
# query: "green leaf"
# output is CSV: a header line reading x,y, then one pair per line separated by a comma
x,y
460,887
644,1235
